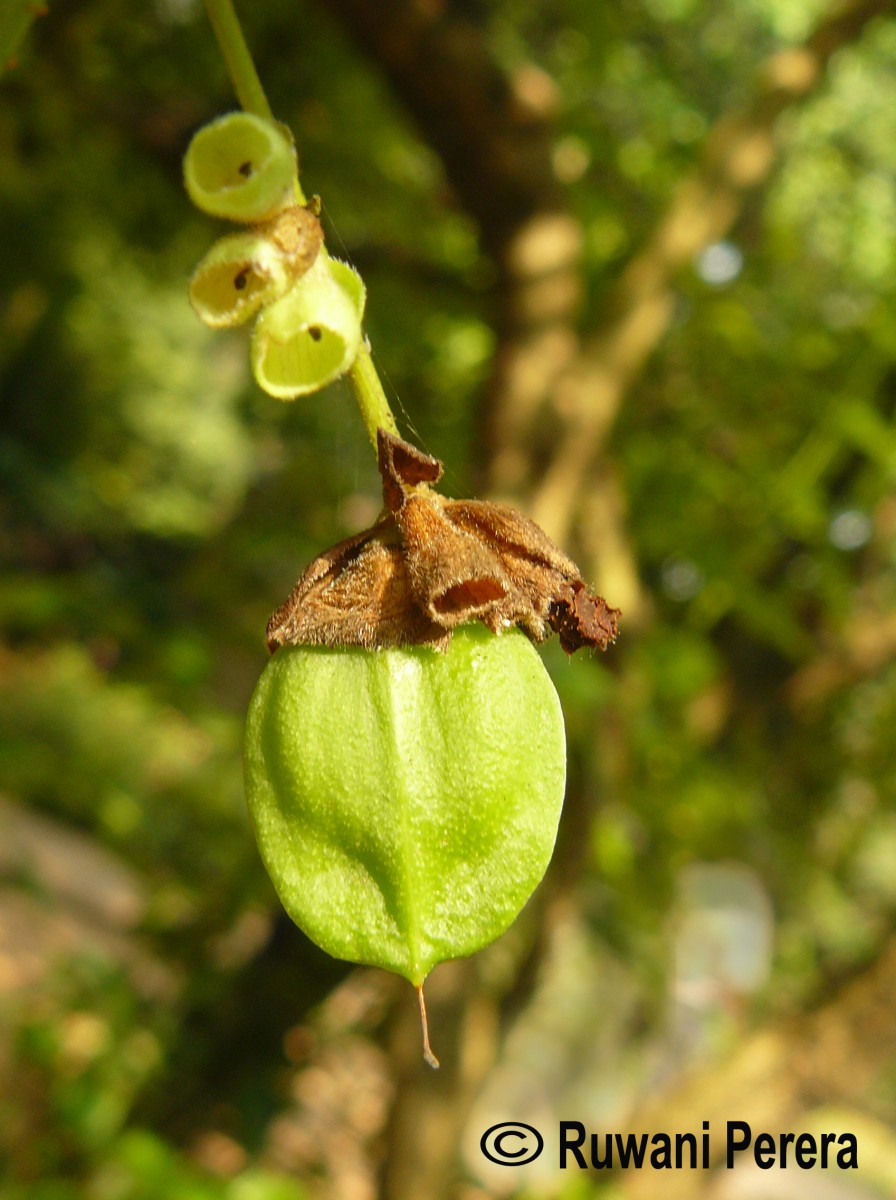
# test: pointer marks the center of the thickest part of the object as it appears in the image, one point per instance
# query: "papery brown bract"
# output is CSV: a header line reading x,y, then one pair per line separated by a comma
x,y
357,593
431,564
297,234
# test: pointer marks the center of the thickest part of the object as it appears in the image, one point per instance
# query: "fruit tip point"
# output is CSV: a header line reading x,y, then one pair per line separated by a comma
x,y
428,1057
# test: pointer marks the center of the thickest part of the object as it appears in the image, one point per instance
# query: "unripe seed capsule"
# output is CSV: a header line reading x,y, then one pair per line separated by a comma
x,y
406,801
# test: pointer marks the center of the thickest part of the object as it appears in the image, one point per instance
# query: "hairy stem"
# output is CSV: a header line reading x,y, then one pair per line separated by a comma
x,y
369,394
232,43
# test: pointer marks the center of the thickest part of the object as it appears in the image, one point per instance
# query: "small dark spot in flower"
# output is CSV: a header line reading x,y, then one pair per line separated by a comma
x,y
314,333
245,169
241,279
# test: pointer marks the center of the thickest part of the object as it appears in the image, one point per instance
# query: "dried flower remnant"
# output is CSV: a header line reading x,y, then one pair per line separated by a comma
x,y
297,234
431,564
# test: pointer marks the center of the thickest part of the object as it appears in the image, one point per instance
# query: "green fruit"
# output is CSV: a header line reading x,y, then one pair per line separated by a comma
x,y
406,800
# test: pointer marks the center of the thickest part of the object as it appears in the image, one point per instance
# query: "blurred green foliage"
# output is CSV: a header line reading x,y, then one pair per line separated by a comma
x,y
156,508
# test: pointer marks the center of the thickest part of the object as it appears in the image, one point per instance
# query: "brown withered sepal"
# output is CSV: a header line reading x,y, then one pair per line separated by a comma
x,y
430,564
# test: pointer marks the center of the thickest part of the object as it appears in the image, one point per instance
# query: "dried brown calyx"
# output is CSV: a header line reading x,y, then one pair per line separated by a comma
x,y
430,564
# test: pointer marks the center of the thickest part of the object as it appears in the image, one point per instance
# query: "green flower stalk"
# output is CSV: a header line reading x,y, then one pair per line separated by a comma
x,y
405,755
